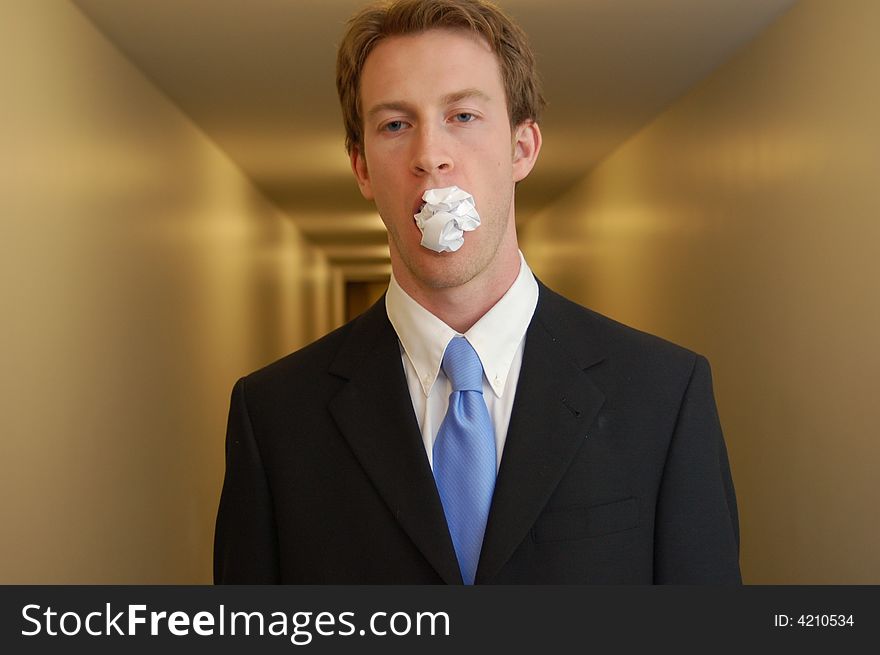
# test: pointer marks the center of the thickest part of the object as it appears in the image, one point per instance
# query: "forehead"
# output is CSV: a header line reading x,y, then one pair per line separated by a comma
x,y
438,60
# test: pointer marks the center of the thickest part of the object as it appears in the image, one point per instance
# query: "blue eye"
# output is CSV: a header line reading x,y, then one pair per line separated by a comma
x,y
464,117
393,126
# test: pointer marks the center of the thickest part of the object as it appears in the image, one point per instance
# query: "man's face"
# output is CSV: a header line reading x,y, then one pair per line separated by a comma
x,y
435,115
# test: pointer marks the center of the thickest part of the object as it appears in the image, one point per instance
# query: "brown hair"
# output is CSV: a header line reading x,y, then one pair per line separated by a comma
x,y
522,85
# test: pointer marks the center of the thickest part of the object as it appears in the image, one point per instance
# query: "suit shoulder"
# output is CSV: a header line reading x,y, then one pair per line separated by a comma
x,y
578,324
314,367
300,366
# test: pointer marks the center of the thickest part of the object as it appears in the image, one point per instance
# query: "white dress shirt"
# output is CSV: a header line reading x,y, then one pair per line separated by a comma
x,y
498,338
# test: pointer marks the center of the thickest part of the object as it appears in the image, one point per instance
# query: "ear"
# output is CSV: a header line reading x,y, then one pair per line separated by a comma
x,y
361,174
526,146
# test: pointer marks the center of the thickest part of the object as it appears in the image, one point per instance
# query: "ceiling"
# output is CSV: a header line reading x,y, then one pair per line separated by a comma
x,y
257,76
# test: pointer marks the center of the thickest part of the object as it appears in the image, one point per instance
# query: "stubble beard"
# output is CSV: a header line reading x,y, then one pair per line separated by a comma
x,y
452,269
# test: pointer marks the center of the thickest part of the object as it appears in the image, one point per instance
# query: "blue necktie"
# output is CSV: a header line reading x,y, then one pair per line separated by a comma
x,y
464,456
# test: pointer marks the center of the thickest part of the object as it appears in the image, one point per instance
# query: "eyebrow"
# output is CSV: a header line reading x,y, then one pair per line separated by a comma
x,y
448,99
458,96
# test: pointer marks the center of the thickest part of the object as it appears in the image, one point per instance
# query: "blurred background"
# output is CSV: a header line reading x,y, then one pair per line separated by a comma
x,y
177,210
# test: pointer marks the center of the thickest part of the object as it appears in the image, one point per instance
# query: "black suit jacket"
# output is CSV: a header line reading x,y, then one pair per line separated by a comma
x,y
614,469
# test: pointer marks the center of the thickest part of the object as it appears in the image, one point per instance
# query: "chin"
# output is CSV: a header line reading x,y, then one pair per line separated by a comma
x,y
444,279
442,270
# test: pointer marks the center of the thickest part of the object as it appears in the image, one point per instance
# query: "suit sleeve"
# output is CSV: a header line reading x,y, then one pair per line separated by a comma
x,y
245,537
697,528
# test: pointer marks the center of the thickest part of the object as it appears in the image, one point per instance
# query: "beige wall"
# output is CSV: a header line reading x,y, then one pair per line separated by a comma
x,y
140,275
745,223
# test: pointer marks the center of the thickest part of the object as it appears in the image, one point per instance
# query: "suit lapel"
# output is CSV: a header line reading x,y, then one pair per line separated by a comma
x,y
554,406
374,412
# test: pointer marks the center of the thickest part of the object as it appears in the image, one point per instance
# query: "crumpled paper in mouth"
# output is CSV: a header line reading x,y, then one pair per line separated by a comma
x,y
446,215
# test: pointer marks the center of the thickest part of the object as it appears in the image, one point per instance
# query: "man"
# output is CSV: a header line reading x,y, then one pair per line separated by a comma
x,y
472,426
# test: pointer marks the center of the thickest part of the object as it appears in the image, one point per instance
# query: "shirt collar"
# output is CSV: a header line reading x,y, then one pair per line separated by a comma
x,y
496,337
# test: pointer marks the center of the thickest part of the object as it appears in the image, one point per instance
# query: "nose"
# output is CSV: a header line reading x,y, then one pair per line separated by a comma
x,y
431,152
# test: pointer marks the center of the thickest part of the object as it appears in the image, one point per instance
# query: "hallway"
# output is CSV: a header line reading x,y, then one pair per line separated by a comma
x,y
178,210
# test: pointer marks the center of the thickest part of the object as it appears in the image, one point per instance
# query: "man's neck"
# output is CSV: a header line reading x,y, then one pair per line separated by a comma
x,y
462,306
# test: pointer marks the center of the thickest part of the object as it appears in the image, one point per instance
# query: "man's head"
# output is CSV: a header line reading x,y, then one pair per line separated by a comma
x,y
437,93
376,22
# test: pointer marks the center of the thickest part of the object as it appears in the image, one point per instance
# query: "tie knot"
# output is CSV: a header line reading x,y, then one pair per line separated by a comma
x,y
462,366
